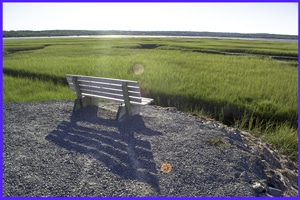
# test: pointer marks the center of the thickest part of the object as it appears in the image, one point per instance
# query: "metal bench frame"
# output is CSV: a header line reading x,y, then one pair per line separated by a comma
x,y
89,89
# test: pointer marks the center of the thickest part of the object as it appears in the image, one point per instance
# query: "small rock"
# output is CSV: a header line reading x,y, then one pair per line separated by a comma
x,y
264,195
258,187
264,163
236,175
244,177
275,192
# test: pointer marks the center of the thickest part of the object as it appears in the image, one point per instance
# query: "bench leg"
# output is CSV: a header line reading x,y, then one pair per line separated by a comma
x,y
135,110
85,101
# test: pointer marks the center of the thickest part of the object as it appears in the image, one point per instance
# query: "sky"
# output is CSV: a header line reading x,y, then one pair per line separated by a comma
x,y
273,18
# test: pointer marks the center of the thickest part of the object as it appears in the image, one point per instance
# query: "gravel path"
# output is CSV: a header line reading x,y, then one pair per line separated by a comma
x,y
51,151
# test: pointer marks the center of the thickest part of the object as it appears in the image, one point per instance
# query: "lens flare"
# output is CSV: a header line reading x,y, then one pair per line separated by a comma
x,y
166,168
138,69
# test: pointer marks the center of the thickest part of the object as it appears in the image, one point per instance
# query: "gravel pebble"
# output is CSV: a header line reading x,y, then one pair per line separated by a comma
x,y
51,151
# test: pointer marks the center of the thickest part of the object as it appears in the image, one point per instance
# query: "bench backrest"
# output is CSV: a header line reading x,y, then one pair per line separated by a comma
x,y
106,88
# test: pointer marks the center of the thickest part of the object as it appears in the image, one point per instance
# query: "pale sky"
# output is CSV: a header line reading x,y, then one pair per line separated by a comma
x,y
277,18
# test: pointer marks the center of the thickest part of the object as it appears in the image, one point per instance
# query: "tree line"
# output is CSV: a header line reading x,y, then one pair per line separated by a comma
x,y
51,33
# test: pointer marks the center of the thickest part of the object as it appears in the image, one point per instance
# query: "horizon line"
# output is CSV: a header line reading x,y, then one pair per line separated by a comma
x,y
152,31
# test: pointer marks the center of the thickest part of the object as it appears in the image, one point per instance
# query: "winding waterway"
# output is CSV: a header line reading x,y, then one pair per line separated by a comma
x,y
150,36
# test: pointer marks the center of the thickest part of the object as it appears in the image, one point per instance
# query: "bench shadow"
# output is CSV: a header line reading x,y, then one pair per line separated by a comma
x,y
111,142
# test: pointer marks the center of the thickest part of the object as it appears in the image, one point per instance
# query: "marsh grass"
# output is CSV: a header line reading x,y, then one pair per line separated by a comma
x,y
254,93
27,89
218,142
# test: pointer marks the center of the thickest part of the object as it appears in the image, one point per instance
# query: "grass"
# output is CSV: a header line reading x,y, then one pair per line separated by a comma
x,y
255,93
26,89
218,142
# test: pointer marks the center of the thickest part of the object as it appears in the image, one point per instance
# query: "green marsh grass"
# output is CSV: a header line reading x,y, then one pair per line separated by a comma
x,y
254,93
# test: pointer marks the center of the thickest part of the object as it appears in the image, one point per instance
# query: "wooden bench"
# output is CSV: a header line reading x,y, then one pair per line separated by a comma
x,y
89,89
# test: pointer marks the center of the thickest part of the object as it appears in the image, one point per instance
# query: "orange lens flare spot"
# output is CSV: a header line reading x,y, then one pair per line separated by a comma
x,y
166,168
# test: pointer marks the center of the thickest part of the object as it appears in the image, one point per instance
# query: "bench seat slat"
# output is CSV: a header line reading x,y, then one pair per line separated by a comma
x,y
145,101
98,89
105,90
69,76
98,84
131,88
112,86
95,87
104,81
86,92
103,95
134,89
107,80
